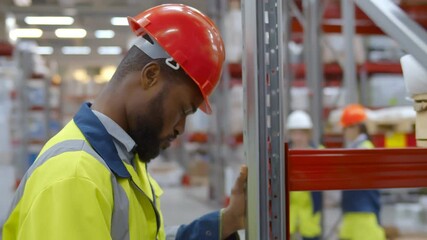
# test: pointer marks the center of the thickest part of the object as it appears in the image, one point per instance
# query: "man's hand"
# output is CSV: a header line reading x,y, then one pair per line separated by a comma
x,y
234,216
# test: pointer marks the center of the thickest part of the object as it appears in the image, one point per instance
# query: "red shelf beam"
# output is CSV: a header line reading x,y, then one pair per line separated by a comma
x,y
381,67
331,70
331,22
344,169
6,49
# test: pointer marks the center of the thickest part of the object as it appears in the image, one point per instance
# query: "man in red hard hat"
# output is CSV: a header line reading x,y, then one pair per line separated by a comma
x,y
90,181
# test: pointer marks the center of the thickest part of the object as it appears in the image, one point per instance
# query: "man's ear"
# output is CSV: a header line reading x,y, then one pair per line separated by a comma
x,y
150,75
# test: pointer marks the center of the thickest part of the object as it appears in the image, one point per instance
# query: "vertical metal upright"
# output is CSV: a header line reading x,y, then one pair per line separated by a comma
x,y
350,83
263,134
217,10
314,65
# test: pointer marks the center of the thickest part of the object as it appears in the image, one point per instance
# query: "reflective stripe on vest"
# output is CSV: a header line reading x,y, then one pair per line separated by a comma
x,y
120,216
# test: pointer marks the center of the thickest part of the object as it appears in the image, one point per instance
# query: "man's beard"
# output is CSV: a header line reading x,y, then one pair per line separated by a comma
x,y
148,129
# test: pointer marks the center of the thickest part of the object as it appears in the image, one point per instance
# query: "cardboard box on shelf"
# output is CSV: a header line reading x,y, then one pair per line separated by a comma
x,y
421,119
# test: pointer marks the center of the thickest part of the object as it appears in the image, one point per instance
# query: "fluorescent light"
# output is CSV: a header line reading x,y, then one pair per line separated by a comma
x,y
71,50
22,3
70,33
109,50
48,20
44,50
104,33
11,24
26,33
119,21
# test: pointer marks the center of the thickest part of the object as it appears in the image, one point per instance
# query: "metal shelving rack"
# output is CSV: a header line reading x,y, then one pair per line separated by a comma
x,y
263,134
32,145
273,172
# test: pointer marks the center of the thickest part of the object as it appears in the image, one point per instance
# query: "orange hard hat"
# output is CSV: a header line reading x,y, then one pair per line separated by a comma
x,y
353,114
190,38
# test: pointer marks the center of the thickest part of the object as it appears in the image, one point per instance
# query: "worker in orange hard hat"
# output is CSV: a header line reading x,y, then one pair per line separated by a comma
x,y
361,208
90,181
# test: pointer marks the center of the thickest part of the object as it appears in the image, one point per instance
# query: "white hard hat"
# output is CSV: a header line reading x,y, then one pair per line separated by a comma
x,y
299,120
415,75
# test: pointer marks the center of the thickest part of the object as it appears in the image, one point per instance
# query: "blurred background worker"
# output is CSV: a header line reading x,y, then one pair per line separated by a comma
x,y
361,208
305,207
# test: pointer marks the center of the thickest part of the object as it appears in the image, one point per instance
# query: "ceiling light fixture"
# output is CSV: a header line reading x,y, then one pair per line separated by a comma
x,y
44,50
22,3
70,33
25,33
104,34
109,50
119,21
49,20
74,50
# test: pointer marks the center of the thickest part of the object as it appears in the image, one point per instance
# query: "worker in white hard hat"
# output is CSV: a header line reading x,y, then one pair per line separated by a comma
x,y
305,207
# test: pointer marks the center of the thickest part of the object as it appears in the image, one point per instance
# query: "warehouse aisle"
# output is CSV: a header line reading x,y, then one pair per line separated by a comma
x,y
182,205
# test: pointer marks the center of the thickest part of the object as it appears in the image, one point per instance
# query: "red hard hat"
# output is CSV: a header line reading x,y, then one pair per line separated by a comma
x,y
353,114
190,38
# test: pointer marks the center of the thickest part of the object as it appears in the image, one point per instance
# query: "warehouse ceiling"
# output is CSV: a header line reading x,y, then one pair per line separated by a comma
x,y
91,15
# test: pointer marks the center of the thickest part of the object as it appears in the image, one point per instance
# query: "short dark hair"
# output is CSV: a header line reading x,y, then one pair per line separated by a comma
x,y
135,60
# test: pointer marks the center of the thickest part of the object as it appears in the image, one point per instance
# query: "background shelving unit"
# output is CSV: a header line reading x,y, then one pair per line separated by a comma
x,y
333,74
12,137
347,70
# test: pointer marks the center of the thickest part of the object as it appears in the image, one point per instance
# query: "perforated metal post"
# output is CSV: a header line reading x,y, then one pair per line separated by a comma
x,y
262,80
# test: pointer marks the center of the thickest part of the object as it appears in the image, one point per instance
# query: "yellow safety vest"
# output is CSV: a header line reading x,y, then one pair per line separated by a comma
x,y
71,193
303,218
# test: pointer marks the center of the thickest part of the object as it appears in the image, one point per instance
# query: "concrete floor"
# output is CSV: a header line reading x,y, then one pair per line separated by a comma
x,y
183,205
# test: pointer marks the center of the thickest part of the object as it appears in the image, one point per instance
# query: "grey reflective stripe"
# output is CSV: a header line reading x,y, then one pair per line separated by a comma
x,y
120,217
69,145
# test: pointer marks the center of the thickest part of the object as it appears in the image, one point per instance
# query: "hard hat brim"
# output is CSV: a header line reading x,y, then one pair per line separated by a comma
x,y
206,107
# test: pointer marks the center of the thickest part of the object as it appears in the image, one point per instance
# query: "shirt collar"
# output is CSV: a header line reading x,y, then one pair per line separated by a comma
x,y
116,131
